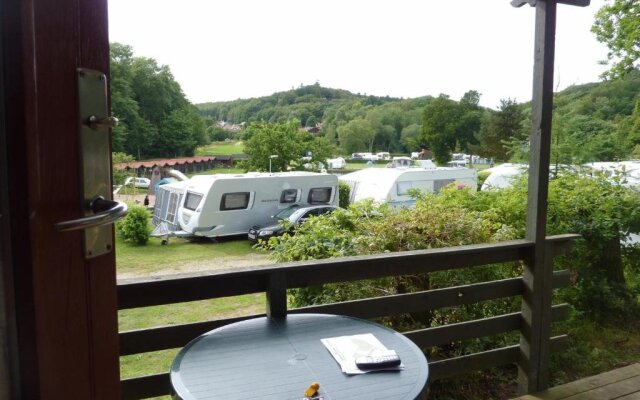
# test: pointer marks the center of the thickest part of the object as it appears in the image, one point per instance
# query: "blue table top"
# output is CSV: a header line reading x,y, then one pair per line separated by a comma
x,y
278,359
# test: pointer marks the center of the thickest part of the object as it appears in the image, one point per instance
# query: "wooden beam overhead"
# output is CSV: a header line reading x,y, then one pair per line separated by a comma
x,y
532,3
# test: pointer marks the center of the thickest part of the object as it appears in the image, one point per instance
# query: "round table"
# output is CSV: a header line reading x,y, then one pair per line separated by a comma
x,y
277,359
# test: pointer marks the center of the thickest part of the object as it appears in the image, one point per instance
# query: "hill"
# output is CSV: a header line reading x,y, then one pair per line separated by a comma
x,y
592,122
308,104
598,121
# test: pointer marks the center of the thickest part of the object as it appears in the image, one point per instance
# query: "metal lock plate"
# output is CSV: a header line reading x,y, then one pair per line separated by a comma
x,y
95,155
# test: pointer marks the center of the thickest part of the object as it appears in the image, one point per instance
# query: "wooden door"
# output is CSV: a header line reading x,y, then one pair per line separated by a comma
x,y
60,308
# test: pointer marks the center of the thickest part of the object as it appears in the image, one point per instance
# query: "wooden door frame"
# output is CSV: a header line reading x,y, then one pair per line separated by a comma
x,y
60,308
8,366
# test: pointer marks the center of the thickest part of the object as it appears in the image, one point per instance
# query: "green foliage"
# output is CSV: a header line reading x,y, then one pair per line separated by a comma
x,y
218,134
410,137
305,104
482,176
356,135
344,194
447,125
618,26
593,122
118,175
136,226
600,211
439,127
503,132
156,120
603,213
364,228
385,117
598,122
287,143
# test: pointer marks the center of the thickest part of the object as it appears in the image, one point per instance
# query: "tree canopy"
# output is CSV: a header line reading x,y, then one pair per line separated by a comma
x,y
593,122
156,119
282,146
448,125
618,26
501,130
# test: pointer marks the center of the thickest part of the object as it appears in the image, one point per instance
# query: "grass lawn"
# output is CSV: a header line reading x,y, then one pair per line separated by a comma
x,y
173,314
221,148
132,190
154,257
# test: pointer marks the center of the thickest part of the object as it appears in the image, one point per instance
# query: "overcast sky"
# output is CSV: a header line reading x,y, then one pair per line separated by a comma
x,y
229,49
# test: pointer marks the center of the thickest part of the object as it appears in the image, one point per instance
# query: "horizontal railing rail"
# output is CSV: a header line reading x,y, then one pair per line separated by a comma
x,y
275,280
192,287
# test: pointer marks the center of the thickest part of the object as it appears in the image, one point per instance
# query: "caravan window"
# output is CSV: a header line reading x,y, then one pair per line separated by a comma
x,y
403,187
422,185
192,201
439,184
234,201
319,195
174,200
289,196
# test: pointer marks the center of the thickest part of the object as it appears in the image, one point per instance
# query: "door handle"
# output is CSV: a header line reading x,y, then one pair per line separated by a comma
x,y
97,210
95,122
106,212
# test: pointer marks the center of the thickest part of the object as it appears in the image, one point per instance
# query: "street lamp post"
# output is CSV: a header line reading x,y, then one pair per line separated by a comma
x,y
271,157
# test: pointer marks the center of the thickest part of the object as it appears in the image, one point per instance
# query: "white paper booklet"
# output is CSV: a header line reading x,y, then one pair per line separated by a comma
x,y
345,349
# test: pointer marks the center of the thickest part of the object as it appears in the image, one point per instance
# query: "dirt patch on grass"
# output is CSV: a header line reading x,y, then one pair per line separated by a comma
x,y
218,264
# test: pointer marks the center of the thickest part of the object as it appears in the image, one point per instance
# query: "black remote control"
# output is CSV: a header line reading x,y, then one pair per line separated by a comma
x,y
377,361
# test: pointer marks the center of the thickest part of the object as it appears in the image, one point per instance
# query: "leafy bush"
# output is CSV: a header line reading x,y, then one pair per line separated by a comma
x,y
344,194
602,211
482,176
365,228
136,226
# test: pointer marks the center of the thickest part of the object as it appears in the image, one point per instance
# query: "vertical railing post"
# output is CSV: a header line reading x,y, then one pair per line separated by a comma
x,y
533,367
277,295
536,303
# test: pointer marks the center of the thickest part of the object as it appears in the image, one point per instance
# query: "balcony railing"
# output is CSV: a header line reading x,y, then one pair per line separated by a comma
x,y
532,322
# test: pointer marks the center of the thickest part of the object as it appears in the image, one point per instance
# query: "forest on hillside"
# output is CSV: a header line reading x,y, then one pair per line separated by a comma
x,y
592,122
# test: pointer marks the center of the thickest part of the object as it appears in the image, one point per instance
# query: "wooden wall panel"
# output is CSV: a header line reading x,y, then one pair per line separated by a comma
x,y
65,306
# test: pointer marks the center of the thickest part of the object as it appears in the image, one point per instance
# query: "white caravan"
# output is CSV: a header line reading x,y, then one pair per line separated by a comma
x,y
336,163
392,184
626,173
502,176
227,204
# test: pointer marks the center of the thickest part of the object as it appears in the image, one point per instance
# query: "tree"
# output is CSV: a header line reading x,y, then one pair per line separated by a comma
x,y
629,131
217,133
618,26
439,127
410,137
448,125
286,142
356,135
151,108
180,132
470,121
499,129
